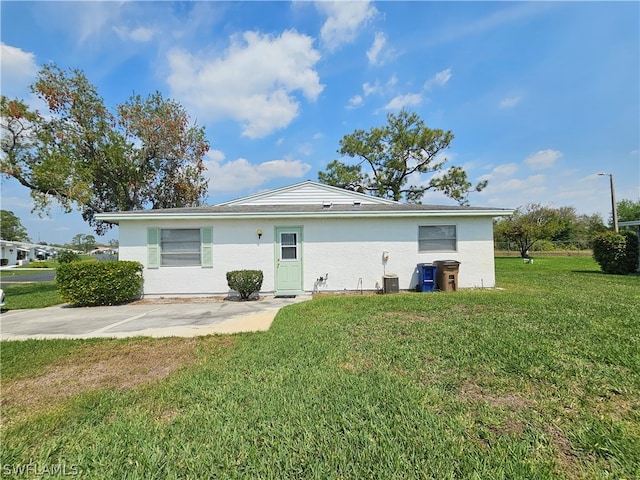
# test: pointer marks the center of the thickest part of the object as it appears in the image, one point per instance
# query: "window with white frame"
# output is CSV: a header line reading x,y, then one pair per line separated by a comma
x,y
179,247
437,238
289,246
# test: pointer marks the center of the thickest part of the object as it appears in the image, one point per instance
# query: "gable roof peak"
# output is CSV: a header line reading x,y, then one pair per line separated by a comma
x,y
309,193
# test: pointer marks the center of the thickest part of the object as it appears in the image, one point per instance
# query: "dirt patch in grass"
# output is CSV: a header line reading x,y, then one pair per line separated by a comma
x,y
472,392
567,462
510,423
567,459
456,311
357,364
100,367
409,317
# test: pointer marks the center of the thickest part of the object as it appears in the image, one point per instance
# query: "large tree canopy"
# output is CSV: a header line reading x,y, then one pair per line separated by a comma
x,y
628,210
147,154
11,227
394,153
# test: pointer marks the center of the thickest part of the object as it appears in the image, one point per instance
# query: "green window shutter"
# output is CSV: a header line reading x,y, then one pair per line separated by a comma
x,y
153,247
206,241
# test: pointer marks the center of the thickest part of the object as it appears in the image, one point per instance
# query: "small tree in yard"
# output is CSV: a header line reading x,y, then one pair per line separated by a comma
x,y
67,256
528,225
245,282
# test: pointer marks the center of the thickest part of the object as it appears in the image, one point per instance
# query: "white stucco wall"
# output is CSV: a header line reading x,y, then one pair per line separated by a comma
x,y
347,249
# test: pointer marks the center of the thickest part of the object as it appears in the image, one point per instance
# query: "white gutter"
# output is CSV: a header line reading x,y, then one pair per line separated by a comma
x,y
115,217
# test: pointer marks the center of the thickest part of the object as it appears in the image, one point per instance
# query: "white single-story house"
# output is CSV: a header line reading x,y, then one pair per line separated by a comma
x,y
14,253
306,237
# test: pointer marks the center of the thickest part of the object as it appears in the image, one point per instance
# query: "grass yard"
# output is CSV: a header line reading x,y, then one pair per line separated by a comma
x,y
30,295
539,380
33,294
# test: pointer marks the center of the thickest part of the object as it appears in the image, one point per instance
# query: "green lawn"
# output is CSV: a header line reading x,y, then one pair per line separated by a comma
x,y
30,295
35,294
540,379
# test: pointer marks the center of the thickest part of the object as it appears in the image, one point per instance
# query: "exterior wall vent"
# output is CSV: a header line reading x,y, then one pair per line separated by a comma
x,y
326,205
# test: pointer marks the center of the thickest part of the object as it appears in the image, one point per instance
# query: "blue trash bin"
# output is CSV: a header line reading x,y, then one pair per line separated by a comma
x,y
427,273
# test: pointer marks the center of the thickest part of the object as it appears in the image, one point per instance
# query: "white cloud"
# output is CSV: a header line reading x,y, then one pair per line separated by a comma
x,y
509,102
18,69
253,82
355,102
542,159
380,53
344,20
369,89
92,18
504,170
402,101
283,169
534,183
240,174
378,44
216,155
439,79
140,34
305,149
507,15
505,190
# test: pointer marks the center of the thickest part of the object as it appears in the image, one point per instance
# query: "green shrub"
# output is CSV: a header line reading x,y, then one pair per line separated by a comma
x,y
633,250
67,256
87,284
616,253
39,265
543,246
245,282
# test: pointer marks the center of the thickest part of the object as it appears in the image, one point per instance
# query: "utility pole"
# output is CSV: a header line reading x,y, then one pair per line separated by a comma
x,y
614,208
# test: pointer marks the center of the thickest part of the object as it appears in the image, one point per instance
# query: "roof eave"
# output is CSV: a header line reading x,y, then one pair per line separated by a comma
x,y
116,217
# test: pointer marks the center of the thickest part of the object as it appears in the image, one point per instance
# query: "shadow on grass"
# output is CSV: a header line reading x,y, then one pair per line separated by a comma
x,y
600,272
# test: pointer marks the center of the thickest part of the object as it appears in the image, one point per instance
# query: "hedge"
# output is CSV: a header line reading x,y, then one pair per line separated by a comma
x,y
616,252
245,282
88,284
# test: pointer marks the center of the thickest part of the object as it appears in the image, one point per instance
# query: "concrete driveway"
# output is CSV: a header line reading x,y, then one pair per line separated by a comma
x,y
162,318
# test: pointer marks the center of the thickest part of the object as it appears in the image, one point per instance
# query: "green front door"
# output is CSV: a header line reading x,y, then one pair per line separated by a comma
x,y
288,260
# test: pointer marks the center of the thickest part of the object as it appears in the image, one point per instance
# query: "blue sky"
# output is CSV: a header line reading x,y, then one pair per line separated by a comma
x,y
540,96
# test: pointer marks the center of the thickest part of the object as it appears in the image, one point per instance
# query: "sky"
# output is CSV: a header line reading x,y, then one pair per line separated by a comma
x,y
541,96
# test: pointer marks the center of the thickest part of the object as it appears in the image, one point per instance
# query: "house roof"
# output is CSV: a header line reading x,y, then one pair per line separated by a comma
x,y
305,200
308,192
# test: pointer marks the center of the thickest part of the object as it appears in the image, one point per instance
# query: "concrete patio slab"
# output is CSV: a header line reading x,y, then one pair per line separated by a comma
x,y
181,318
